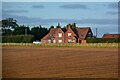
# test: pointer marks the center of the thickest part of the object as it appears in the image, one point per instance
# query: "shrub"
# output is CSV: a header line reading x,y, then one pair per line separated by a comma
x,y
103,40
17,39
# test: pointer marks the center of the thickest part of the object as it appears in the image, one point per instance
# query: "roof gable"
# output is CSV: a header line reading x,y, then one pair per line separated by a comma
x,y
71,30
82,32
52,33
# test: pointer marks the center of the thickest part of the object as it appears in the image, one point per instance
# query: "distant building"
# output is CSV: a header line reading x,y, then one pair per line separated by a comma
x,y
111,36
67,35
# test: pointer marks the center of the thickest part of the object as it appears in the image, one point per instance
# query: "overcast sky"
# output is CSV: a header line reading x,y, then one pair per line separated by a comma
x,y
101,15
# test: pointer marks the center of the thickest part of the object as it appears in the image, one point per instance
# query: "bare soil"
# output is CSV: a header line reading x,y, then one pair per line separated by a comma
x,y
38,62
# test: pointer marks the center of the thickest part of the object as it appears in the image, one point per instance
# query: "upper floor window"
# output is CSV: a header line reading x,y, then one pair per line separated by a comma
x,y
51,35
59,34
69,34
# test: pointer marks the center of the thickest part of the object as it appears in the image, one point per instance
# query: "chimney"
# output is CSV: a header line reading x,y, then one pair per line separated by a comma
x,y
68,26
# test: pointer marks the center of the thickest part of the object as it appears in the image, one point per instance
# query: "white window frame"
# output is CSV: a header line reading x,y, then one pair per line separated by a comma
x,y
59,41
69,34
54,41
69,40
49,41
59,34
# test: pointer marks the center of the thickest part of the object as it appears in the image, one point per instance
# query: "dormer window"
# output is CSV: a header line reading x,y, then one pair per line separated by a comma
x,y
59,34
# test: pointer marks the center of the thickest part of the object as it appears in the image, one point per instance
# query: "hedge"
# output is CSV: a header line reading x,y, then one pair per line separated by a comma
x,y
103,40
17,39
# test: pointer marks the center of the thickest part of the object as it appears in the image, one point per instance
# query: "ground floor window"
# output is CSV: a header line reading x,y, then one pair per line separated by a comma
x,y
69,40
54,41
60,41
49,41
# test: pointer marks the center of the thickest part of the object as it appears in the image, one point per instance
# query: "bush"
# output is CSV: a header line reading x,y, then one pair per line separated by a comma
x,y
103,40
17,39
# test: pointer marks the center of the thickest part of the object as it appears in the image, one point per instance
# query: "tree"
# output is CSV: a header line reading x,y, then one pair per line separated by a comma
x,y
21,30
52,26
71,25
8,25
39,32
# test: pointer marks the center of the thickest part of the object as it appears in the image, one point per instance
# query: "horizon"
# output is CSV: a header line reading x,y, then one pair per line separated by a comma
x,y
100,15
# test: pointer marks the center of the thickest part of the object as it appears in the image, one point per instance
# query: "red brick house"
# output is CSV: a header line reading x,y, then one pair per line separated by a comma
x,y
67,35
111,36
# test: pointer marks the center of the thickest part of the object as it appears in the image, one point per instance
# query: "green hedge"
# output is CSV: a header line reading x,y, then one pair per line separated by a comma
x,y
17,39
103,40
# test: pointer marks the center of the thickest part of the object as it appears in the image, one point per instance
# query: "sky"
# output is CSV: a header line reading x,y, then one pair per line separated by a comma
x,y
100,15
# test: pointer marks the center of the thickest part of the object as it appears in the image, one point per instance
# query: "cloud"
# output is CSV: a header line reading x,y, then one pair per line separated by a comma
x,y
25,20
74,6
14,11
40,21
113,5
38,6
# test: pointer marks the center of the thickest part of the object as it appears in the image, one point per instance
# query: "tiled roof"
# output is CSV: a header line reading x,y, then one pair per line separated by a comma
x,y
64,29
75,31
82,32
111,36
50,34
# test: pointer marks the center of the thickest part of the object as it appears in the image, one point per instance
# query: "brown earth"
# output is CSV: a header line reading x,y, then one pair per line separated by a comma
x,y
37,62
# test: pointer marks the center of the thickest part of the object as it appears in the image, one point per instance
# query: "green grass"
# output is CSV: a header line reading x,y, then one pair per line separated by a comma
x,y
84,45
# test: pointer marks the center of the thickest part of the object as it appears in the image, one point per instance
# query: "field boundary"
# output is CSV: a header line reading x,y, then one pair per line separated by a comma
x,y
83,45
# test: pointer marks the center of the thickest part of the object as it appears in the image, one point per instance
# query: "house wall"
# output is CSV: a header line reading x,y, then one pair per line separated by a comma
x,y
43,41
82,41
72,38
65,38
57,38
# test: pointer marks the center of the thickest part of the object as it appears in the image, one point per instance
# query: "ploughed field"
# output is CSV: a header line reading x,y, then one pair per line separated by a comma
x,y
39,62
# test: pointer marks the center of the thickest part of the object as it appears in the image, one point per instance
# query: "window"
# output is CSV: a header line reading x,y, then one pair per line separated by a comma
x,y
69,34
51,36
69,40
60,41
49,41
54,41
59,34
